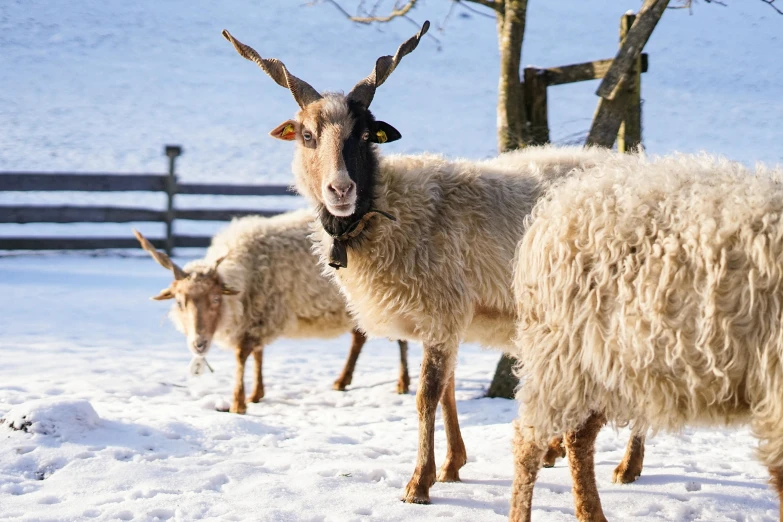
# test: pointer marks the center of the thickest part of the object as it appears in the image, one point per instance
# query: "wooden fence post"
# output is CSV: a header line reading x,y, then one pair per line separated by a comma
x,y
536,105
172,151
630,135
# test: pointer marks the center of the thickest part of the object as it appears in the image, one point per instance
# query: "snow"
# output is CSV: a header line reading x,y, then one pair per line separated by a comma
x,y
119,430
59,418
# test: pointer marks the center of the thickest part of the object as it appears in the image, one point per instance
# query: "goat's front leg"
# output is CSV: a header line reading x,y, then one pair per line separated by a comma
x,y
350,364
404,381
258,389
581,453
242,353
436,368
528,455
456,456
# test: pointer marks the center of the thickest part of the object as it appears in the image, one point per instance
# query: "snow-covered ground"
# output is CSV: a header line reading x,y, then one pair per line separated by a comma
x,y
80,334
116,428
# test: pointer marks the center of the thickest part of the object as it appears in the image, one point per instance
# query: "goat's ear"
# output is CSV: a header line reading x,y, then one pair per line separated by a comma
x,y
285,131
227,290
164,294
384,133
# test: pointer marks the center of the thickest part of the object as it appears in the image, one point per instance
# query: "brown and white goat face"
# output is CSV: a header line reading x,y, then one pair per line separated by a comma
x,y
336,161
198,308
199,298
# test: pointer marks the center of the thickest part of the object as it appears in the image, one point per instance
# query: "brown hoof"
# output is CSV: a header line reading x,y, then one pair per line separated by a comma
x,y
241,409
403,387
256,397
416,494
340,386
625,474
448,474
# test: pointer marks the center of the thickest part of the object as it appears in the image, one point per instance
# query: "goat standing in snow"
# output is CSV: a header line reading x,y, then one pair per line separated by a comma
x,y
649,292
258,282
422,247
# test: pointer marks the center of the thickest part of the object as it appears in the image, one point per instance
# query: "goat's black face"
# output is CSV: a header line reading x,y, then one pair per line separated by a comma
x,y
361,161
336,161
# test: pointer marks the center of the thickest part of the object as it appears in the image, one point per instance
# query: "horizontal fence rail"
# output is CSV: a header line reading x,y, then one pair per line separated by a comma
x,y
67,181
106,182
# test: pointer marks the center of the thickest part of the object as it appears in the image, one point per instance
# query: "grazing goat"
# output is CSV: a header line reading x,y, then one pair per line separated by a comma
x,y
258,282
421,246
650,293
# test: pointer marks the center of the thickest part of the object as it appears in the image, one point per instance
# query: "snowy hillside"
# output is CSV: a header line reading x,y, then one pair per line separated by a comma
x,y
101,421
101,86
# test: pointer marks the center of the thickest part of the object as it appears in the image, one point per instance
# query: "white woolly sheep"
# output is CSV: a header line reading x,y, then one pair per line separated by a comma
x,y
424,245
259,282
649,292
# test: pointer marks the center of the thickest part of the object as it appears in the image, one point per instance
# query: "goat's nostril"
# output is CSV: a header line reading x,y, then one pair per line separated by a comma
x,y
340,190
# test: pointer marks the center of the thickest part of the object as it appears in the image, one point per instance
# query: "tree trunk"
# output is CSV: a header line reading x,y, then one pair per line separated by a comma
x,y
512,134
512,122
505,382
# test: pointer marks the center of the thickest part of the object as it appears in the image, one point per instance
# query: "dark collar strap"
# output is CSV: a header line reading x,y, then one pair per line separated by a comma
x,y
338,255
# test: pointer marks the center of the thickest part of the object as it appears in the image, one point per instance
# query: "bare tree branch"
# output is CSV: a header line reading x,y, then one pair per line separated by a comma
x,y
496,5
463,5
396,12
771,3
688,4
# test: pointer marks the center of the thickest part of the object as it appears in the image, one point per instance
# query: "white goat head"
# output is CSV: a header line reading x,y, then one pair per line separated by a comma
x,y
199,298
336,161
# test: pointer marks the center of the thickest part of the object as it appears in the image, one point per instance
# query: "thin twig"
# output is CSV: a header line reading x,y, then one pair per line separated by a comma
x,y
471,9
396,13
446,18
771,3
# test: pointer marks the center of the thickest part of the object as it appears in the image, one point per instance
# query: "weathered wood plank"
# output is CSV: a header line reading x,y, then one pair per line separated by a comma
x,y
640,32
222,214
75,214
234,190
629,137
192,241
60,181
72,243
536,105
582,72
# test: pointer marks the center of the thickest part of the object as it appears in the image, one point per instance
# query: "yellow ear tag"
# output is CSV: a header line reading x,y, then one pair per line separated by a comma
x,y
288,131
381,136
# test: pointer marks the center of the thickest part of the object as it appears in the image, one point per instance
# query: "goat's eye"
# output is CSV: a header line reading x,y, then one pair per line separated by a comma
x,y
307,135
365,135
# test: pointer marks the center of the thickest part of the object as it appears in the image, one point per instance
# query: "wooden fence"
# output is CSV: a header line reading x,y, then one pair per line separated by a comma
x,y
627,107
166,183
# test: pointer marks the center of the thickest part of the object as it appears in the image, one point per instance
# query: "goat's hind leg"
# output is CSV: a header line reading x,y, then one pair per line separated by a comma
x,y
456,456
581,452
555,450
258,388
631,466
346,376
404,381
776,478
528,456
